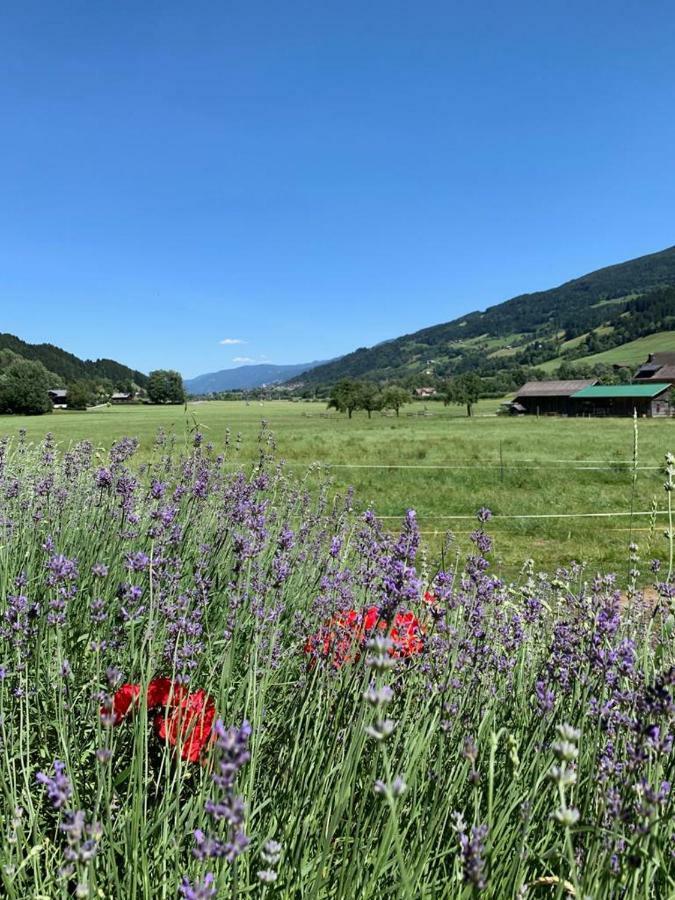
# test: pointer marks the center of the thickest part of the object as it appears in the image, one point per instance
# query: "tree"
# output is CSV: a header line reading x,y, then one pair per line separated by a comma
x,y
23,388
80,395
464,390
394,397
371,398
346,396
165,386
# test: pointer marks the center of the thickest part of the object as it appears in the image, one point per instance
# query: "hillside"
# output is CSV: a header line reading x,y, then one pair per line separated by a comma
x,y
70,367
245,377
585,316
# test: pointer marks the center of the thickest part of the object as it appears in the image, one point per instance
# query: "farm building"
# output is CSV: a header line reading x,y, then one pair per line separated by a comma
x,y
59,397
121,397
424,392
660,367
547,398
622,399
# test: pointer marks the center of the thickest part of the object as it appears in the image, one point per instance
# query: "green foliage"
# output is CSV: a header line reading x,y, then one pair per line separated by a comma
x,y
68,366
394,397
370,398
165,386
23,388
346,396
464,390
80,395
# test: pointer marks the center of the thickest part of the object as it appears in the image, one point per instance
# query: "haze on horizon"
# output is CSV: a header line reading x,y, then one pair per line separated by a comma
x,y
199,187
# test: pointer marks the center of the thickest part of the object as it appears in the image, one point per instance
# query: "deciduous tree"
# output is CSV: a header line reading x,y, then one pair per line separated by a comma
x,y
394,397
165,386
464,390
346,396
23,388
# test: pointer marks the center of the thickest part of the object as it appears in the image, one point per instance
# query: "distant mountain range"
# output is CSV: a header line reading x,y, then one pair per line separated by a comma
x,y
245,377
70,367
571,323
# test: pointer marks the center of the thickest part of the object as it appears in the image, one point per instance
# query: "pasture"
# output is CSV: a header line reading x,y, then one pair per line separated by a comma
x,y
558,474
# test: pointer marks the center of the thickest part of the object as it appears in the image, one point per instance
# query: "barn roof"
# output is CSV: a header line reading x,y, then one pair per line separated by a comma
x,y
554,388
606,391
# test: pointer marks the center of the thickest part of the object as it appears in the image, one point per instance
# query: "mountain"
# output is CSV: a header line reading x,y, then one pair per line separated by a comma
x,y
245,377
585,316
70,367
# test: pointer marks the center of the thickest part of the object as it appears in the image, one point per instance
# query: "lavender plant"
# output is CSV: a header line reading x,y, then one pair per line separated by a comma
x,y
145,610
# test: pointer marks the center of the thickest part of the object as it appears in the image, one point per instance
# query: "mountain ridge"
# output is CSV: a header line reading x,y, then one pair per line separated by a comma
x,y
606,307
246,377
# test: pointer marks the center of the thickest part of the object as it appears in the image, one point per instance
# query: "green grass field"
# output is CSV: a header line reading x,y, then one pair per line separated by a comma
x,y
443,465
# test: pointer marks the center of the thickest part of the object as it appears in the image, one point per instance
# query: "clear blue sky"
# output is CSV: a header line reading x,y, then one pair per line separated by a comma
x,y
313,177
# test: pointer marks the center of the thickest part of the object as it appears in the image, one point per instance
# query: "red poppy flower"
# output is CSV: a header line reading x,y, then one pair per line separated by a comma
x,y
190,722
342,638
182,716
124,698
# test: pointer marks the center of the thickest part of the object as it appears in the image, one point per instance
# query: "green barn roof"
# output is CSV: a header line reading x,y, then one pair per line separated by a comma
x,y
605,391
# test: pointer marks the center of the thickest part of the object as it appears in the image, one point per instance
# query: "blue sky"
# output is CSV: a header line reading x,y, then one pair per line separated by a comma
x,y
314,177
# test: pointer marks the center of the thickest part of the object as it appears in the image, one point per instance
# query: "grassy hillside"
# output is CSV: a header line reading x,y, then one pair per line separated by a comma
x,y
583,317
630,354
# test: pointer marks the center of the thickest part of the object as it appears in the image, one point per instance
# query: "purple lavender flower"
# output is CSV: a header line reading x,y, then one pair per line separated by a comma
x,y
472,849
58,786
201,889
227,809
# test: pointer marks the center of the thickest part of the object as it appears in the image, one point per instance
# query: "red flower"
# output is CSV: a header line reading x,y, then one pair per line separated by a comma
x,y
127,695
182,716
342,638
190,721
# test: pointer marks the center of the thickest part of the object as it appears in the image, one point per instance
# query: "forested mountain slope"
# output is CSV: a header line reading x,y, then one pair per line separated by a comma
x,y
587,315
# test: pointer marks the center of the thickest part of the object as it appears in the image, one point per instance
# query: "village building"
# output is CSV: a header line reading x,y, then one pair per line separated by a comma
x,y
424,393
121,397
660,367
59,398
623,400
546,398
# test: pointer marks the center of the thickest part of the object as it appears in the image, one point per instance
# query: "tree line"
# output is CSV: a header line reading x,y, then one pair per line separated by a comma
x,y
350,395
25,385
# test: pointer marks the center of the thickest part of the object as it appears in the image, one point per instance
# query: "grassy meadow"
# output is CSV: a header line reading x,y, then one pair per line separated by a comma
x,y
444,465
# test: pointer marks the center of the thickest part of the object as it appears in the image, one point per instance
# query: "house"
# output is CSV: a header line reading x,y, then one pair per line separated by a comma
x,y
660,367
623,399
548,397
59,398
424,393
121,397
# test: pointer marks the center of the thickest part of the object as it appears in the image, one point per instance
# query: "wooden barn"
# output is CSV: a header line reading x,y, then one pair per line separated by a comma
x,y
59,398
659,368
623,399
548,398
